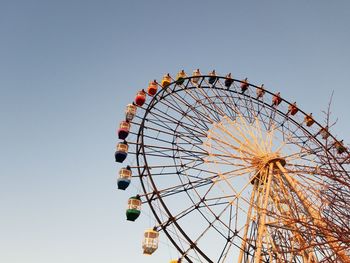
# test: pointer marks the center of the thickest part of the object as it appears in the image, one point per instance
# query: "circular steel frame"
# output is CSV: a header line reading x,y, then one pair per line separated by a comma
x,y
144,171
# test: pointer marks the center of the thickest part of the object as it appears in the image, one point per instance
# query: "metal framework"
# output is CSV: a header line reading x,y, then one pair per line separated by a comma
x,y
231,176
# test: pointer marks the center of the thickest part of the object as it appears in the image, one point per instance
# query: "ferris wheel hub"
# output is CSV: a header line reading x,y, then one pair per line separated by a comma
x,y
264,161
262,166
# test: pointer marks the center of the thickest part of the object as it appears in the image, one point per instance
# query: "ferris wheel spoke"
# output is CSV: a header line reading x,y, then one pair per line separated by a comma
x,y
268,116
167,130
243,109
258,143
163,149
195,120
182,188
162,155
237,139
203,114
155,138
218,202
175,103
220,150
164,118
248,106
229,109
212,107
180,215
218,111
229,106
212,225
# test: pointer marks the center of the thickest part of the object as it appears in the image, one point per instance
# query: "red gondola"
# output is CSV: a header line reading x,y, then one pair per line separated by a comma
x,y
140,98
293,109
276,99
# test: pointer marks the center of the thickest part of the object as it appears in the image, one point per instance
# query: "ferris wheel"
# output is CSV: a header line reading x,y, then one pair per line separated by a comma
x,y
234,173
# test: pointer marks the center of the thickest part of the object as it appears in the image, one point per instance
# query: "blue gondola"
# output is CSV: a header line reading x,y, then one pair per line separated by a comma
x,y
123,183
212,77
122,152
124,178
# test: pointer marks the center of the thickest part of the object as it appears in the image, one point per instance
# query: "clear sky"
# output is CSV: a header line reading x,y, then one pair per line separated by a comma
x,y
67,70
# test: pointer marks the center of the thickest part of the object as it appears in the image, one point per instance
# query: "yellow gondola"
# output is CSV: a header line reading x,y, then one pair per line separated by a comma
x,y
150,241
166,80
130,112
180,77
195,76
309,120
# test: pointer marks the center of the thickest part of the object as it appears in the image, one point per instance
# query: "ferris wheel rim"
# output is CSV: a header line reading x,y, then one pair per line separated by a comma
x,y
140,147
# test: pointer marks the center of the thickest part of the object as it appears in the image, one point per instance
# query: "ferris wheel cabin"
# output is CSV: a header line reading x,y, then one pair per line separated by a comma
x,y
140,98
228,80
212,77
195,76
152,88
134,208
124,178
124,129
293,109
180,78
166,80
130,112
150,241
244,85
309,120
122,152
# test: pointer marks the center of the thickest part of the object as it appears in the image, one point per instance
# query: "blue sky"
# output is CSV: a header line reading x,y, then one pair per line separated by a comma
x,y
68,68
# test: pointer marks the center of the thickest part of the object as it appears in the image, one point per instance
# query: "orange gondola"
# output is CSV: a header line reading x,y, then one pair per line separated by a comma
x,y
152,88
309,120
166,80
